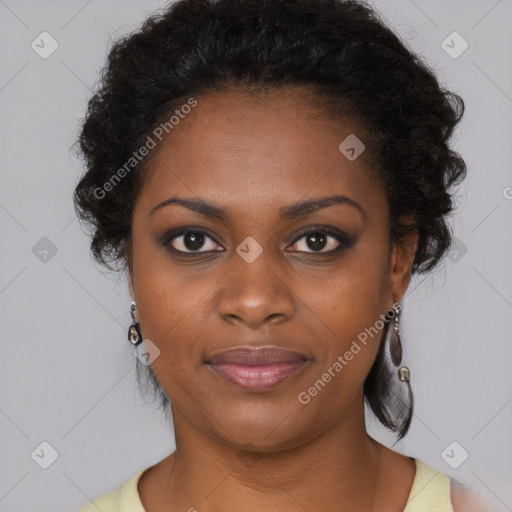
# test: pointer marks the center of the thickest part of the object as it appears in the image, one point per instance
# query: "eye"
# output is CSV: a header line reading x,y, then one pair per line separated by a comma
x,y
191,240
197,240
322,238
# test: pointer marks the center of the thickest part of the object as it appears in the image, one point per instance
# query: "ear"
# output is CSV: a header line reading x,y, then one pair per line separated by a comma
x,y
402,257
129,265
130,286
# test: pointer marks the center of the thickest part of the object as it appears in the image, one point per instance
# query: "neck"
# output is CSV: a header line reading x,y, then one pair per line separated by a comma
x,y
341,465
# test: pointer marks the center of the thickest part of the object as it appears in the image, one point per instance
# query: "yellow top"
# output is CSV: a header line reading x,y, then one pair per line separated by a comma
x,y
430,492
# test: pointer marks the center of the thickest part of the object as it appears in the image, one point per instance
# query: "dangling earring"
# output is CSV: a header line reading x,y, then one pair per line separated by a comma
x,y
134,334
395,345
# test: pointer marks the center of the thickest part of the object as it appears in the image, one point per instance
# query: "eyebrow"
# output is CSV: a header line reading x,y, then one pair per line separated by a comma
x,y
288,212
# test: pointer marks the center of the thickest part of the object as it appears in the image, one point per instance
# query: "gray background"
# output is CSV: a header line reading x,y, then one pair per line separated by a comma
x,y
67,370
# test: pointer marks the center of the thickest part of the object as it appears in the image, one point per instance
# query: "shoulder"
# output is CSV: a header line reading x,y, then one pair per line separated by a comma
x,y
459,496
122,499
430,490
465,499
434,490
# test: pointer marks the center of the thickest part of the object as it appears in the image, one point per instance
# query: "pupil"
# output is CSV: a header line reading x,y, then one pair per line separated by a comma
x,y
317,241
193,241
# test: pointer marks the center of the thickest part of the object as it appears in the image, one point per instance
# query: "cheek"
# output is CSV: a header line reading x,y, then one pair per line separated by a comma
x,y
172,315
349,296
169,304
348,307
171,319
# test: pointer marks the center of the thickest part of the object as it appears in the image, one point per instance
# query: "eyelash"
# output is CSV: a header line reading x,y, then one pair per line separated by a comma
x,y
344,241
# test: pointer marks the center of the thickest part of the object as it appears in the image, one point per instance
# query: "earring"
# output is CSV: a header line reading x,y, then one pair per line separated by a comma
x,y
134,334
395,345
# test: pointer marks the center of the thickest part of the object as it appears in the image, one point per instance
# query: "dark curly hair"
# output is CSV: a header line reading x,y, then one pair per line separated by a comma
x,y
339,50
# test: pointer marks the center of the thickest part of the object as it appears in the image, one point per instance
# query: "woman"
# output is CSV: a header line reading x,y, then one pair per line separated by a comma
x,y
270,174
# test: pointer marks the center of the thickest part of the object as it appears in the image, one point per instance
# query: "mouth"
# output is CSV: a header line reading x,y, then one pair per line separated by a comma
x,y
256,369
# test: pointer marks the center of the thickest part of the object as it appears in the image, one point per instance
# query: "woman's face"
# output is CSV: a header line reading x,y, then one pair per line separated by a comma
x,y
257,278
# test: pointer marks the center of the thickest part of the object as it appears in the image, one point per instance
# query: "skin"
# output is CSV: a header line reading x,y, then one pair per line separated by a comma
x,y
266,451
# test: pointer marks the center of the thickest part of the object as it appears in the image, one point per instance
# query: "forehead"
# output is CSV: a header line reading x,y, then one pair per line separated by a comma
x,y
253,152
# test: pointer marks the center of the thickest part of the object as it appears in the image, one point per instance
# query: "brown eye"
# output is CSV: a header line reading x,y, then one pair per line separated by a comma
x,y
191,241
315,241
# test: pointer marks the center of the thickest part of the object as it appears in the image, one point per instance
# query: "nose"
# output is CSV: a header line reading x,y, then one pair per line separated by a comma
x,y
255,294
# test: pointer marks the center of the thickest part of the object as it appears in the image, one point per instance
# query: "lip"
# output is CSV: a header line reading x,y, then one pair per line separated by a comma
x,y
256,369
